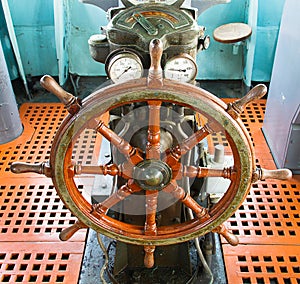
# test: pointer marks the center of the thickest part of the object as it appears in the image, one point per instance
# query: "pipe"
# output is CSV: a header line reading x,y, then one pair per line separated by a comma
x,y
10,123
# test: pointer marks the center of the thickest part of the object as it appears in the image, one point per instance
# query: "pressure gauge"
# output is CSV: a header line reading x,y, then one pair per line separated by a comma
x,y
124,66
182,68
164,2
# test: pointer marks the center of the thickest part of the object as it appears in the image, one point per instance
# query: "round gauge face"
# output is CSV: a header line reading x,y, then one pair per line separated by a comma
x,y
164,2
125,66
182,68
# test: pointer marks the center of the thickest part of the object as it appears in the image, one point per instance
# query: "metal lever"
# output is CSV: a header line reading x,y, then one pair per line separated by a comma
x,y
263,174
236,108
72,103
40,168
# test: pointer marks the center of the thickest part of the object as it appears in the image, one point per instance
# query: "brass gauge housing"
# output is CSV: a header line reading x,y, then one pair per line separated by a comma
x,y
181,68
125,66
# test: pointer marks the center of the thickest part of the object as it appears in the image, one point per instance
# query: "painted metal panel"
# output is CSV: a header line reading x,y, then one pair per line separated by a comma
x,y
34,23
284,97
250,46
7,47
85,20
219,62
268,22
37,49
10,122
266,42
61,38
34,27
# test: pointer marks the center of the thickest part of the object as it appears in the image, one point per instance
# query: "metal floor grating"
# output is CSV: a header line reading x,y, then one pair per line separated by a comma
x,y
39,262
262,264
30,210
269,215
32,214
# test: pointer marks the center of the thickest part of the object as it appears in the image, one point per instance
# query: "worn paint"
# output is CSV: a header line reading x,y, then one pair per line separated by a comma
x,y
34,24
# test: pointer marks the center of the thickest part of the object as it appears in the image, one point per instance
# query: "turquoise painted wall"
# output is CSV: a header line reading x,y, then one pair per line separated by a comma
x,y
85,20
269,18
219,62
7,48
34,26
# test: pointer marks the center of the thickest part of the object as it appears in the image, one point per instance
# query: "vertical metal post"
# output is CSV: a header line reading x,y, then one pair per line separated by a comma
x,y
10,122
13,38
251,42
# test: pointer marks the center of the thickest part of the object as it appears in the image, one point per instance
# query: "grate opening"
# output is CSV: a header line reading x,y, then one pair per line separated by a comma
x,y
35,212
268,215
43,264
262,264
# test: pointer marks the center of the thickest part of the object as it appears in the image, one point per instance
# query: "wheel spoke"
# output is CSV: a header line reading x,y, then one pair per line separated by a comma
x,y
150,226
129,188
174,154
153,145
151,206
132,153
111,170
179,193
203,172
124,170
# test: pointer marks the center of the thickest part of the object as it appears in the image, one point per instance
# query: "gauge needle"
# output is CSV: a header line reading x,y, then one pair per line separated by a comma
x,y
180,70
127,69
147,25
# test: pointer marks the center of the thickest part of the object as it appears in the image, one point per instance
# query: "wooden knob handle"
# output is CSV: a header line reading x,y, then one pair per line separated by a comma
x,y
72,103
67,233
155,71
52,86
149,256
263,174
39,168
236,108
229,237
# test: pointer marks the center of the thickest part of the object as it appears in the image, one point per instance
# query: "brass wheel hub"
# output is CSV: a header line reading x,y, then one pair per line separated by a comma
x,y
152,174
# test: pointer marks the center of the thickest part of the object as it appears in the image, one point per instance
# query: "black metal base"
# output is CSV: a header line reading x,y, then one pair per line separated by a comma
x,y
94,259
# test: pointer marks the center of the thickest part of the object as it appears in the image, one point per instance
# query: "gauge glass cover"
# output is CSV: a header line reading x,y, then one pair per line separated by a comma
x,y
181,68
125,66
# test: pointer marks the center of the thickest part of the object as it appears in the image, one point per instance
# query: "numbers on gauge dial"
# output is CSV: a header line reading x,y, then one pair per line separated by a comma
x,y
182,68
125,66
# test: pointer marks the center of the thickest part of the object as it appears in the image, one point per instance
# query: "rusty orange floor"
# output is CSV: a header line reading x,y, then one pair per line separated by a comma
x,y
32,215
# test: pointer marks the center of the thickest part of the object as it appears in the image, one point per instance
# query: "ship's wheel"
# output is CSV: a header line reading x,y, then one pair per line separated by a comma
x,y
151,172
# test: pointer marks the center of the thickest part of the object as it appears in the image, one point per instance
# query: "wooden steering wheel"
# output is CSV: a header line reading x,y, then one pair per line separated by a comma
x,y
151,172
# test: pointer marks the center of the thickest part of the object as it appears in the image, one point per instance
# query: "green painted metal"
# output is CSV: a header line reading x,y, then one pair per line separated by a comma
x,y
268,24
35,30
218,61
61,38
249,49
85,20
7,47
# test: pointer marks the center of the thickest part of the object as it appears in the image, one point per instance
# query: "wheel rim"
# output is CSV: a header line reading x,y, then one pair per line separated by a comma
x,y
136,91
